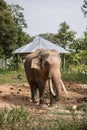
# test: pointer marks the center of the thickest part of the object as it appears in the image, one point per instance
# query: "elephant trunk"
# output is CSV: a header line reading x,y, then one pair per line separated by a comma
x,y
55,85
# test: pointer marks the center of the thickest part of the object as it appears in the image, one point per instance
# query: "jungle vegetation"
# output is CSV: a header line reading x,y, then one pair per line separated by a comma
x,y
12,36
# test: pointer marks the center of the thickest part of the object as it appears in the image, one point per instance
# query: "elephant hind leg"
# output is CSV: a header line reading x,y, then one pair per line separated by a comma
x,y
33,88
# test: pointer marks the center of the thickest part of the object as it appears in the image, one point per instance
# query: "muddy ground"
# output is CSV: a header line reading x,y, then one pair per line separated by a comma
x,y
19,95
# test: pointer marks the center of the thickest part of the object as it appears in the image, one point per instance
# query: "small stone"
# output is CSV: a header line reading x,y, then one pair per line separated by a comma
x,y
74,108
1,91
19,89
18,93
11,88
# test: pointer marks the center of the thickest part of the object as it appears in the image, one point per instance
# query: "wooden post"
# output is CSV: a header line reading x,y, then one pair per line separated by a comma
x,y
64,61
16,61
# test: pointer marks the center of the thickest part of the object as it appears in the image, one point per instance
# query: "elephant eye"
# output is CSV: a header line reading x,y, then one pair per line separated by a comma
x,y
46,64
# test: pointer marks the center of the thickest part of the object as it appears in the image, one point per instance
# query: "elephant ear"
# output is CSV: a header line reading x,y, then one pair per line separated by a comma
x,y
36,63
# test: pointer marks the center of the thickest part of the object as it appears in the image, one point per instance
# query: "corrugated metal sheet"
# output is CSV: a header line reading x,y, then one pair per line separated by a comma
x,y
39,43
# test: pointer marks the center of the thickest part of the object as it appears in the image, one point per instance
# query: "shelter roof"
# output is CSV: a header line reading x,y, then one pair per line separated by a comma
x,y
39,43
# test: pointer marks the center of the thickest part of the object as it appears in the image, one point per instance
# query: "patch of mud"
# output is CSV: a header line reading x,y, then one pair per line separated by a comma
x,y
19,95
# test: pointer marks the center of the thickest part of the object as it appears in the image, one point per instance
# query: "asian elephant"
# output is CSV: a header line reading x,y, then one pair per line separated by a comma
x,y
41,66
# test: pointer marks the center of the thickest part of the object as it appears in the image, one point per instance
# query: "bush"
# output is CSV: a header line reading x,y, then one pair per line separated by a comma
x,y
74,76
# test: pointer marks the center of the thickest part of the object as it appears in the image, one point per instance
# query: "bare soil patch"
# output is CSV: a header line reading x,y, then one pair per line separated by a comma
x,y
19,95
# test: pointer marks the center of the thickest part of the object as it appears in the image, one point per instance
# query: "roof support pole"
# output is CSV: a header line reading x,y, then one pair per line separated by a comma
x,y
64,61
16,61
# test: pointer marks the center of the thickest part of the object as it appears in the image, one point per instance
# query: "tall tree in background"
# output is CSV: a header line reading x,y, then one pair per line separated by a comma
x,y
12,23
84,50
18,16
65,36
8,29
84,8
17,12
49,36
22,37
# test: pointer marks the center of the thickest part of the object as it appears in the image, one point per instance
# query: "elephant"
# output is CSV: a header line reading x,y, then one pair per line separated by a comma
x,y
41,66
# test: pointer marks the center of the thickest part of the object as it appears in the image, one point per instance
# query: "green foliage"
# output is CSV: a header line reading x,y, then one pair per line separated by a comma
x,y
20,119
80,50
9,76
49,36
65,35
16,118
17,12
77,45
81,57
12,23
7,30
77,74
84,8
2,116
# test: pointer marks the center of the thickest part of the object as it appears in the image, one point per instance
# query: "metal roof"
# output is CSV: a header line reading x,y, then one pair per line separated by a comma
x,y
39,43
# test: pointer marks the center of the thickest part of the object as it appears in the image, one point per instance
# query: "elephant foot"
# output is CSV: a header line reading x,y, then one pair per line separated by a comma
x,y
35,101
43,105
54,106
53,103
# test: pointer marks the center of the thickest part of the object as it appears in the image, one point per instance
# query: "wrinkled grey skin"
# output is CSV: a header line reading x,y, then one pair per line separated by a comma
x,y
39,67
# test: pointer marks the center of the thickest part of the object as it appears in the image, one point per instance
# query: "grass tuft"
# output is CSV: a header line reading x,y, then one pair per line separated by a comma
x,y
20,119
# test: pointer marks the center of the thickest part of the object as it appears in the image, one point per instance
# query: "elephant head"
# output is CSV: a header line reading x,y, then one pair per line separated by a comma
x,y
48,63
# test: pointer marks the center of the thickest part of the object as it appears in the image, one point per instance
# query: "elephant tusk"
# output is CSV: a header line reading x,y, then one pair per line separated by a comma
x,y
51,87
62,84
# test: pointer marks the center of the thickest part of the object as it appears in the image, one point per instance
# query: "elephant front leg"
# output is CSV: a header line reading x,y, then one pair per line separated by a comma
x,y
33,88
41,94
56,98
53,101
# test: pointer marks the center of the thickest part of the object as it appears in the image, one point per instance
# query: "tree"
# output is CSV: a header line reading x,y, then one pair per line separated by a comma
x,y
77,45
65,36
80,51
84,8
8,35
82,56
22,37
48,36
17,12
12,23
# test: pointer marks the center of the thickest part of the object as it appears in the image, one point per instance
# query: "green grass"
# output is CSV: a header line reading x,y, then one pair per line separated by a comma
x,y
77,77
9,76
74,73
20,119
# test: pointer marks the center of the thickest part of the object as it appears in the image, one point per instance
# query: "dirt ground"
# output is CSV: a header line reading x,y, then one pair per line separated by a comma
x,y
19,94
